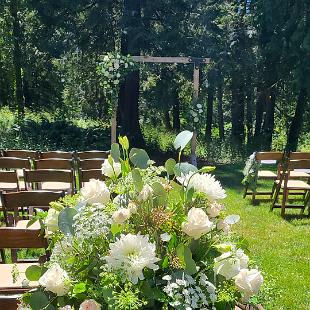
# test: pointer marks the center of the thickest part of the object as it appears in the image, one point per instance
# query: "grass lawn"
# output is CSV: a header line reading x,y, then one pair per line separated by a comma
x,y
281,247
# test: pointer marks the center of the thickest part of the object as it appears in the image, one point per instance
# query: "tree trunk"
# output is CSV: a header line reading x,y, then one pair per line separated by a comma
x,y
167,120
220,110
16,34
260,105
297,120
176,111
269,120
249,113
210,100
237,110
129,91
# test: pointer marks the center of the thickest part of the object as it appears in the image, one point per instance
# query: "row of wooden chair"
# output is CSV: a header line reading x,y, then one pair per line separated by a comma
x,y
53,154
292,174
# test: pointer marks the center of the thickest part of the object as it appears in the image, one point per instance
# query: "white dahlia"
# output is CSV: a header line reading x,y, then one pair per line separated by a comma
x,y
204,183
130,254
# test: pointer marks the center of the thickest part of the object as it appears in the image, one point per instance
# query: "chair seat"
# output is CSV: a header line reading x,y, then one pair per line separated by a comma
x,y
8,186
266,174
295,184
56,186
7,282
22,224
299,175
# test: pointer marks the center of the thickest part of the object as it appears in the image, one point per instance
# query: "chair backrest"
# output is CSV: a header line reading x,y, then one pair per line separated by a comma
x,y
89,164
14,238
278,156
17,201
20,153
86,175
298,164
92,154
42,175
54,163
8,177
14,163
299,155
55,154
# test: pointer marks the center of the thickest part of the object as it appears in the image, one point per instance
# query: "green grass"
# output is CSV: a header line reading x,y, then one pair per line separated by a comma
x,y
280,247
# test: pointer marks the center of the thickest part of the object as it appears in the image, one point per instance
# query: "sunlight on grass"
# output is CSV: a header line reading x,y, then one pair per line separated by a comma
x,y
280,247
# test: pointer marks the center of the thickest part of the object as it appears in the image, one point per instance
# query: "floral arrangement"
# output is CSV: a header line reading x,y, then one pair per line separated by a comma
x,y
112,68
250,172
144,237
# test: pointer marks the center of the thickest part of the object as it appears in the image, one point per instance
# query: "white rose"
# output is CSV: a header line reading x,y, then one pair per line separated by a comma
x,y
197,223
55,280
109,170
146,193
51,221
90,304
249,282
229,264
95,191
121,215
215,209
224,226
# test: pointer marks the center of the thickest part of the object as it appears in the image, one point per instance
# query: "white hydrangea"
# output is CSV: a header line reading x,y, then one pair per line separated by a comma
x,y
230,263
91,221
145,193
188,292
130,254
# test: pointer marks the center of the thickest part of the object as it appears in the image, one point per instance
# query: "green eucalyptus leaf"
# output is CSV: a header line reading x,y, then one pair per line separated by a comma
x,y
115,152
160,194
65,221
169,165
139,158
182,139
38,300
184,168
190,265
33,273
137,180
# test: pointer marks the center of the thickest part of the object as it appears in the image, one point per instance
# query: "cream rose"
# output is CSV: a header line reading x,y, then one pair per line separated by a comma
x,y
51,221
120,216
55,280
90,304
197,223
249,282
109,170
95,191
146,193
215,209
229,264
224,226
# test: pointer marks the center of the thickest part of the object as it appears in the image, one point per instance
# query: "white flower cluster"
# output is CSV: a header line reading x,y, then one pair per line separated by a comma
x,y
197,113
129,255
249,165
91,222
62,250
109,170
190,293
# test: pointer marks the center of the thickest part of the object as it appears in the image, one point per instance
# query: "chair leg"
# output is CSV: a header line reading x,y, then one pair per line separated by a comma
x,y
245,190
284,199
3,260
276,195
273,189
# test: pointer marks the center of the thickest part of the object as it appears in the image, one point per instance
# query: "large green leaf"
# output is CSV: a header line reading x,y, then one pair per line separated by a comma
x,y
184,168
115,152
139,158
65,221
185,255
137,180
33,273
182,139
38,300
169,165
160,194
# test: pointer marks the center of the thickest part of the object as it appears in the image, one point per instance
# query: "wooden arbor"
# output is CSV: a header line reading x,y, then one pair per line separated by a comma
x,y
197,62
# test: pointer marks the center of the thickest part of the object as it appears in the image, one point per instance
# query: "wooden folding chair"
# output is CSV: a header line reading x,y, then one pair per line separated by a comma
x,y
54,163
90,164
9,181
92,154
20,154
299,174
287,185
53,180
13,281
55,154
271,158
17,203
86,175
